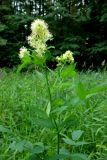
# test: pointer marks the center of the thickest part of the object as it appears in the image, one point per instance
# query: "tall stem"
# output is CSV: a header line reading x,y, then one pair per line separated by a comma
x,y
50,99
58,137
48,87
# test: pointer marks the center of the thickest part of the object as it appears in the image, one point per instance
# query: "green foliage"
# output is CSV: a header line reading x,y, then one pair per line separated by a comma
x,y
57,112
80,27
27,127
2,41
3,129
12,34
76,134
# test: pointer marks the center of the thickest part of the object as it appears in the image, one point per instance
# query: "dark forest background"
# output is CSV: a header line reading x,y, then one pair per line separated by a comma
x,y
77,25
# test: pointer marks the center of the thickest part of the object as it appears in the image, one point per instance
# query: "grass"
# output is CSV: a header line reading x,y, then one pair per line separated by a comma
x,y
20,97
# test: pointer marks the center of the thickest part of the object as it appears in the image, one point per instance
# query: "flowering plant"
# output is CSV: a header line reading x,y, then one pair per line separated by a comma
x,y
23,52
53,112
38,38
67,57
40,51
63,94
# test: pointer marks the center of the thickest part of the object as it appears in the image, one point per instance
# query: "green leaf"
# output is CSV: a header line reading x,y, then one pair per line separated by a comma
x,y
43,122
81,91
73,142
77,134
21,66
21,146
69,71
80,143
48,109
26,59
38,60
38,148
3,129
51,47
97,90
68,122
64,151
59,110
79,156
69,141
40,113
58,101
57,157
63,156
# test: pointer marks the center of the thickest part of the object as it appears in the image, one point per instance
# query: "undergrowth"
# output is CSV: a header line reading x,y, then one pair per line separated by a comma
x,y
24,96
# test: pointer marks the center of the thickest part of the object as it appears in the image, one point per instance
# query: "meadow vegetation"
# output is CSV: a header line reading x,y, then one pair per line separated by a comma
x,y
50,114
26,131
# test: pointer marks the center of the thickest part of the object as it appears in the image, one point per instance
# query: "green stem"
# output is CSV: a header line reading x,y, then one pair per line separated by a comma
x,y
58,137
50,99
48,87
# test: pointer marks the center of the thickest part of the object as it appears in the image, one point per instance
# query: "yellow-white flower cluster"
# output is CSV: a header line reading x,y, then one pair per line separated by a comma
x,y
67,57
39,36
23,52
